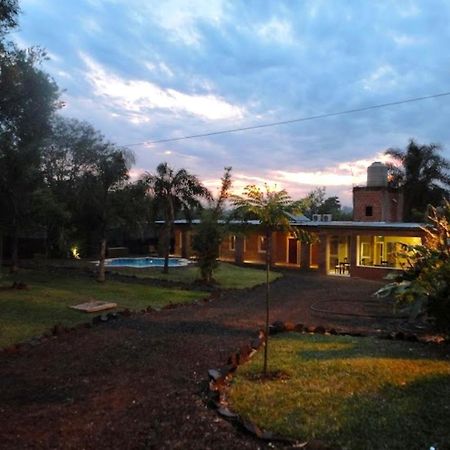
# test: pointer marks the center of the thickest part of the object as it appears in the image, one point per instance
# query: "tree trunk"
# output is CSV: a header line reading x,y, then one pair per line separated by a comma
x,y
167,234
101,261
268,261
1,254
170,217
15,252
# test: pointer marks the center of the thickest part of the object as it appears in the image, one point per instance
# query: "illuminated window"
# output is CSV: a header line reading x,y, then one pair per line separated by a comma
x,y
262,244
232,243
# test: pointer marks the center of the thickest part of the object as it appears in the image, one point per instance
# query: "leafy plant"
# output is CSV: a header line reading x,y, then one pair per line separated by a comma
x,y
425,284
210,232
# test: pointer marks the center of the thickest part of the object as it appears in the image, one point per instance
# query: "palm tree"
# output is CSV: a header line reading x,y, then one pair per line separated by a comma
x,y
272,209
424,176
174,192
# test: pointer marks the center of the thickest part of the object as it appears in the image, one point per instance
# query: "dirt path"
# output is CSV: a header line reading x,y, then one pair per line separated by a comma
x,y
136,383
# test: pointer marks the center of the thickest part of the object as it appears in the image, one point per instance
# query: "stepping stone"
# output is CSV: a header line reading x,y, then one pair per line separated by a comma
x,y
94,306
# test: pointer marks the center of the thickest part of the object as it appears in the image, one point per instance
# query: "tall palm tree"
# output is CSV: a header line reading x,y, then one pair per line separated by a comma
x,y
174,192
424,176
272,209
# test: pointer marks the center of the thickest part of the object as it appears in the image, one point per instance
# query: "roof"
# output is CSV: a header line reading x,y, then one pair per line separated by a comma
x,y
319,224
354,224
300,218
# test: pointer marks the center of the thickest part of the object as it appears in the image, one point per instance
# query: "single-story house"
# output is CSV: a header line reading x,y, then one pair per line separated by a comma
x,y
369,246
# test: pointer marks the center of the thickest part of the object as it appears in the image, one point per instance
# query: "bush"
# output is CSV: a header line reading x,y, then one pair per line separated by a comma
x,y
426,284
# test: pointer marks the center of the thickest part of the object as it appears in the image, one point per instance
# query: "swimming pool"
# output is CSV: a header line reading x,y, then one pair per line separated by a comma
x,y
145,262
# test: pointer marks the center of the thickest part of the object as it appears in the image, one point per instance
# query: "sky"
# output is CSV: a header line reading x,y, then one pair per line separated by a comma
x,y
146,70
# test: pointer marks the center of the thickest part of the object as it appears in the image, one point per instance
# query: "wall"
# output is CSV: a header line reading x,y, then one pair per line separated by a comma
x,y
387,204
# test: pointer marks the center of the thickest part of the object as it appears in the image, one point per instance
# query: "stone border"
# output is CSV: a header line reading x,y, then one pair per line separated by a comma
x,y
60,330
220,379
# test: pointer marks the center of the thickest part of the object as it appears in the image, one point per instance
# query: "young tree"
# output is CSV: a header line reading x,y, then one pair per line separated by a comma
x,y
271,208
210,232
424,176
174,192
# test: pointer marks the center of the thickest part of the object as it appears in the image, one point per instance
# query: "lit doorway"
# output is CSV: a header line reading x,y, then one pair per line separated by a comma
x,y
338,257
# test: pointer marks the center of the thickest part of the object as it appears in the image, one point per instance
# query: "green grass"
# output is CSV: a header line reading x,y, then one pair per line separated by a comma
x,y
352,393
228,276
30,312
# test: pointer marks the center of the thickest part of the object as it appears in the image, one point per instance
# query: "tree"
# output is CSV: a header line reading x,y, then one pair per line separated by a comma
x,y
109,171
312,202
28,99
271,208
133,207
69,152
9,10
174,192
210,232
86,189
422,174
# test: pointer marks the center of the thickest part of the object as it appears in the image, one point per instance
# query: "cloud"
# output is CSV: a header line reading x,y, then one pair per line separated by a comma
x,y
155,70
181,19
384,77
276,30
140,96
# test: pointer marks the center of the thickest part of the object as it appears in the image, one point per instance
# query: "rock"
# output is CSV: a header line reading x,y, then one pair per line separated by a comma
x,y
320,329
267,435
225,412
252,428
289,326
244,353
227,370
233,360
214,374
277,327
299,327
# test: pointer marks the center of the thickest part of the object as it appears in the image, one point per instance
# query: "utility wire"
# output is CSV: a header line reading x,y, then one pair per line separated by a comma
x,y
285,122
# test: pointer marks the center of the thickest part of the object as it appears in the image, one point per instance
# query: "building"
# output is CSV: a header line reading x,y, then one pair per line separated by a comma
x,y
369,246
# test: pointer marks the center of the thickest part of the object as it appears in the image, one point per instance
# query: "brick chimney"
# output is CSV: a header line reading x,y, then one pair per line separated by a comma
x,y
377,202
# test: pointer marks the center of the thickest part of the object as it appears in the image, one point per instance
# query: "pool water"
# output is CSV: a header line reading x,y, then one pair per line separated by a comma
x,y
145,262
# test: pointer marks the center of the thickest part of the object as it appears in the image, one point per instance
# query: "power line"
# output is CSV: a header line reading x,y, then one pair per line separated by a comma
x,y
285,122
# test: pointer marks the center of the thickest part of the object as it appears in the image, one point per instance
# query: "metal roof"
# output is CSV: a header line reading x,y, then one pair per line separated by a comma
x,y
321,224
354,224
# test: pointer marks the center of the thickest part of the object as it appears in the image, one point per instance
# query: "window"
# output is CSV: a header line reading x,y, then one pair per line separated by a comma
x,y
262,244
232,243
369,211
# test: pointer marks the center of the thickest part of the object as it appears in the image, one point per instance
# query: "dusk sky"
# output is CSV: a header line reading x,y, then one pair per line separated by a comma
x,y
141,70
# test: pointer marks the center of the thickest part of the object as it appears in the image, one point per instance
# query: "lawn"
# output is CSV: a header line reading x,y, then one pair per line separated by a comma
x,y
32,311
228,276
352,393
